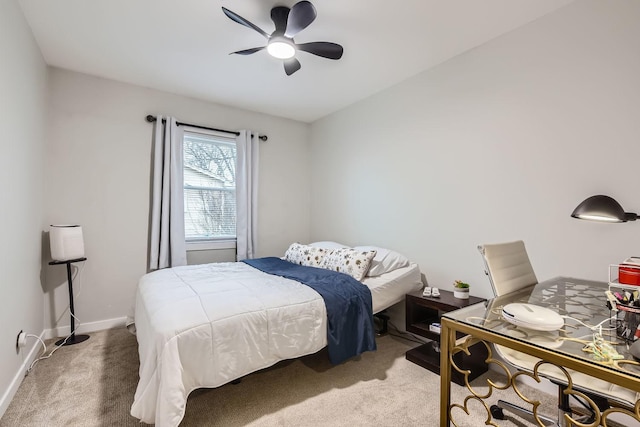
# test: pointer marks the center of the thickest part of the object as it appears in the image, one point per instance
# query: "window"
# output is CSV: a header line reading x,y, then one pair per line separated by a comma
x,y
209,189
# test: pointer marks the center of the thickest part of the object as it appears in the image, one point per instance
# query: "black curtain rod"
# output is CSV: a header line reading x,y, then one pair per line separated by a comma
x,y
152,119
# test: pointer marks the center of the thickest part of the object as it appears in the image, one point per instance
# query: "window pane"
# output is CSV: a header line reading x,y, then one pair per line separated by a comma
x,y
209,186
209,214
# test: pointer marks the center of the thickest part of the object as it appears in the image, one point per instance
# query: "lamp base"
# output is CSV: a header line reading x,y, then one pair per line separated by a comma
x,y
74,339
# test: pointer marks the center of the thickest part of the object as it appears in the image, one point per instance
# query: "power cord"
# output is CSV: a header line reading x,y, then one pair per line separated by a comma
x,y
78,271
42,355
44,349
64,341
598,327
404,335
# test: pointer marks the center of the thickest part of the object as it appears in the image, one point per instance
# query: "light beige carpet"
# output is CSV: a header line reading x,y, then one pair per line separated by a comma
x,y
93,383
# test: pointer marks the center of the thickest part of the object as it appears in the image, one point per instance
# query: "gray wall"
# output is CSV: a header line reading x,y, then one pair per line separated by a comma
x,y
98,176
500,143
22,140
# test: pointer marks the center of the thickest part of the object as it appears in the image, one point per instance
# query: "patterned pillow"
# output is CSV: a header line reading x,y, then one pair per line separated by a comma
x,y
348,261
305,255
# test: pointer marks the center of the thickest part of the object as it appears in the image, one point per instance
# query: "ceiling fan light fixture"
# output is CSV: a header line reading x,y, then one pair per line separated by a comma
x,y
281,48
288,23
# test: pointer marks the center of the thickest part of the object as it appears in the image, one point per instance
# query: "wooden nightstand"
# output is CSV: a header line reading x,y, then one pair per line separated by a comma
x,y
422,312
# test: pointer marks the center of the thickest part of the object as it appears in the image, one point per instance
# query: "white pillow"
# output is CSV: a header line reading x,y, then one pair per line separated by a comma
x,y
304,255
349,261
385,260
328,245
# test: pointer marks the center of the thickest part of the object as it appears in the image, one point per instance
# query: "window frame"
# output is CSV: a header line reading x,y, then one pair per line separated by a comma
x,y
207,243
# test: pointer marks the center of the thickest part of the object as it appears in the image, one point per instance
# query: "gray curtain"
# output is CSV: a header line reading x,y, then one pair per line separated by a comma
x,y
167,244
247,147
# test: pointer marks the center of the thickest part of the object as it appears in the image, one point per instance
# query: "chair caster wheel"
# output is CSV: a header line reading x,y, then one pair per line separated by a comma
x,y
496,412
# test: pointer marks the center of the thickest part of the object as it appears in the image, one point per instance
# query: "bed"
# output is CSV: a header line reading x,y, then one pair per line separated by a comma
x,y
203,326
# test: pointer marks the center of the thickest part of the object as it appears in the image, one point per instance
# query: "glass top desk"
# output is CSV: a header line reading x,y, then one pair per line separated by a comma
x,y
564,355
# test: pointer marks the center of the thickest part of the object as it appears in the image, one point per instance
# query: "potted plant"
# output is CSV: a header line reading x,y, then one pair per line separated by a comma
x,y
460,289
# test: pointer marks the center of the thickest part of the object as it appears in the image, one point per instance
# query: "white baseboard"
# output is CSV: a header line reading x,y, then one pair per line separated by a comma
x,y
34,352
83,328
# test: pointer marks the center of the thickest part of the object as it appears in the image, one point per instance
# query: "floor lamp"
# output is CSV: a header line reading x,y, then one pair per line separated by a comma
x,y
67,247
73,338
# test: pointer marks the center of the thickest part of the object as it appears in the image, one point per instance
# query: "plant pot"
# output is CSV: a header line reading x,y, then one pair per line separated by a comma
x,y
461,293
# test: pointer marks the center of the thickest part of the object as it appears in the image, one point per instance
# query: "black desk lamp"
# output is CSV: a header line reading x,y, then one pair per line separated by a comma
x,y
602,208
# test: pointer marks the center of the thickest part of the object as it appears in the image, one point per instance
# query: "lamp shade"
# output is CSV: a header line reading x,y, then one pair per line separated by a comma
x,y
602,208
66,242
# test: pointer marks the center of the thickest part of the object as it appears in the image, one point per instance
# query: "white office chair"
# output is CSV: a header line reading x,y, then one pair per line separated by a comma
x,y
509,269
508,266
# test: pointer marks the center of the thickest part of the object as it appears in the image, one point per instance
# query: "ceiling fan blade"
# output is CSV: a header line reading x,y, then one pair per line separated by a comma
x,y
279,15
248,51
240,20
302,14
325,49
291,65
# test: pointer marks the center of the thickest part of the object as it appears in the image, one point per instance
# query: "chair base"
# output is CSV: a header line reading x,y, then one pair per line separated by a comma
x,y
497,412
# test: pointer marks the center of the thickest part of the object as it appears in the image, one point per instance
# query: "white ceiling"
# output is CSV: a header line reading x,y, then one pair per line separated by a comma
x,y
182,46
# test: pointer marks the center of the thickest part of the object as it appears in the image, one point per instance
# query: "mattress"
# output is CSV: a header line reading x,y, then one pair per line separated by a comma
x,y
203,326
390,288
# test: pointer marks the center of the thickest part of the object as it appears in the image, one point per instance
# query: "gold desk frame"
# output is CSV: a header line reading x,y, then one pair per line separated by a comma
x,y
449,347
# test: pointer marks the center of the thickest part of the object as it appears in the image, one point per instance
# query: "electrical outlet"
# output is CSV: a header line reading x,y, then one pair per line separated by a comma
x,y
21,339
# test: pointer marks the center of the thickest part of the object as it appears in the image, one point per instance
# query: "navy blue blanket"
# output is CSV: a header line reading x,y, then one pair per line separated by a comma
x,y
350,328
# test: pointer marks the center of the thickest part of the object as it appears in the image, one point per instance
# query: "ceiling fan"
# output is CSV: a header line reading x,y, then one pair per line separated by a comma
x,y
280,43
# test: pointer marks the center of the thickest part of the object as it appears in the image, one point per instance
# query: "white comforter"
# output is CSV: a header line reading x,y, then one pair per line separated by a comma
x,y
205,325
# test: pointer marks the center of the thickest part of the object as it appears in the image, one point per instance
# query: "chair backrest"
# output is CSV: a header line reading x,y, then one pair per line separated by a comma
x,y
508,266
